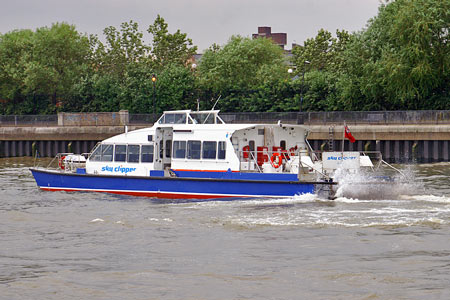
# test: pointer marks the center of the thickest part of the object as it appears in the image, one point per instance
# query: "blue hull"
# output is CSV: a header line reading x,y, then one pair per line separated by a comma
x,y
172,187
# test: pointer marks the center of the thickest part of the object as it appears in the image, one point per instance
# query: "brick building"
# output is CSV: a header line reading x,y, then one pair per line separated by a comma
x,y
266,32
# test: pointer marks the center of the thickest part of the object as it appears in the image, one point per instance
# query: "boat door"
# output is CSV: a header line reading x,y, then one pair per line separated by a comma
x,y
164,138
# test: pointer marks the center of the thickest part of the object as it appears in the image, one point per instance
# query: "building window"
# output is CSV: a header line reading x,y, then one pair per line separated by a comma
x,y
179,149
209,150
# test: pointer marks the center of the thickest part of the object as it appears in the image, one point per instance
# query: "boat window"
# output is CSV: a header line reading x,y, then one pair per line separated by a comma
x,y
251,145
283,145
222,150
133,153
193,149
102,153
150,138
107,153
96,153
179,149
209,150
168,148
203,118
120,153
175,118
147,154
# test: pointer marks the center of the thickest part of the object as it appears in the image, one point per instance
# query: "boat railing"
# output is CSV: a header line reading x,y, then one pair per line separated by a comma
x,y
281,160
256,160
68,162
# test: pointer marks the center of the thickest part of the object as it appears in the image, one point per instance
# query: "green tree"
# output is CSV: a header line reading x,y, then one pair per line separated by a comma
x,y
123,48
325,59
169,48
324,52
241,71
403,58
15,50
42,66
59,56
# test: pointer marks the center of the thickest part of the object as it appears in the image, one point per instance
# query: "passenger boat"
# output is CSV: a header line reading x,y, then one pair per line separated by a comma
x,y
196,155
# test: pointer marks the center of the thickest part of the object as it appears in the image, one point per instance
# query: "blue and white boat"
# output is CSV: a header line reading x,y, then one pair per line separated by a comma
x,y
195,155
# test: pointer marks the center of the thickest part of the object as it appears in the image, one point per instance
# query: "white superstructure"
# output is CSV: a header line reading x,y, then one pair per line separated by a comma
x,y
199,141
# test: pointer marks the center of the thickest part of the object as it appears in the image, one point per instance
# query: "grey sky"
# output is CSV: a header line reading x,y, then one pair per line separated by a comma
x,y
205,21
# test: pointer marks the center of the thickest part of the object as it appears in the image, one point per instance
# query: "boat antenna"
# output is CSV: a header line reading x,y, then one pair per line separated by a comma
x,y
212,109
216,102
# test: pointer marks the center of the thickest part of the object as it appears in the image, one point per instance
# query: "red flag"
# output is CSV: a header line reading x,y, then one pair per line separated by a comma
x,y
349,135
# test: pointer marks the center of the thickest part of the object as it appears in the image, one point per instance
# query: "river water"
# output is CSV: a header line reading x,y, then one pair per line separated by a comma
x,y
58,245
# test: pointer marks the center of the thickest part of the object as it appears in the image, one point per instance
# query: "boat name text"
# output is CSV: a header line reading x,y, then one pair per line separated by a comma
x,y
118,169
341,158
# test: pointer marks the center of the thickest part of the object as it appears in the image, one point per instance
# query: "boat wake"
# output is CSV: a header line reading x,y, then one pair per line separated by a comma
x,y
369,186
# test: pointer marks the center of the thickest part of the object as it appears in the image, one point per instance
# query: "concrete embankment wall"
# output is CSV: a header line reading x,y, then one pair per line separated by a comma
x,y
48,141
397,143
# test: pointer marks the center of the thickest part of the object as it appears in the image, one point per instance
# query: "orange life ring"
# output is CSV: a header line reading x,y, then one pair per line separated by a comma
x,y
279,162
61,162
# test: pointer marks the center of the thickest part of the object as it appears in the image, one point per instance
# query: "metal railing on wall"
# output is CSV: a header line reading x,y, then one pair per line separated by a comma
x,y
430,117
143,119
29,120
378,117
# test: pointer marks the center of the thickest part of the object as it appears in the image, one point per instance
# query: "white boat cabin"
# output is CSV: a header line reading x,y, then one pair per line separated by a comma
x,y
200,141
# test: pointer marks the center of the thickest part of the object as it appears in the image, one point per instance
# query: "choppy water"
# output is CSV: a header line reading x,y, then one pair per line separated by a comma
x,y
57,245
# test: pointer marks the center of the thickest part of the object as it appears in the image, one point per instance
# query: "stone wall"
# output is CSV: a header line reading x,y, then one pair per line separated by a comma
x,y
120,118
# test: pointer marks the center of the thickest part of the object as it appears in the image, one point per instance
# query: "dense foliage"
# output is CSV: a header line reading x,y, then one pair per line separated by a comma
x,y
400,61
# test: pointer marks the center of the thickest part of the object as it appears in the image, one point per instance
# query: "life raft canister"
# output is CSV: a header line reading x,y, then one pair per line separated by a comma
x,y
276,160
246,151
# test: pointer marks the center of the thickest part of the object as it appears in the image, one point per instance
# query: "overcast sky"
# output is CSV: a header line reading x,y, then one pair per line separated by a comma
x,y
205,21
